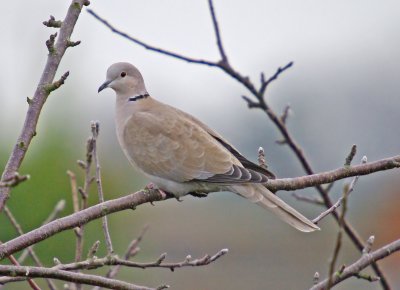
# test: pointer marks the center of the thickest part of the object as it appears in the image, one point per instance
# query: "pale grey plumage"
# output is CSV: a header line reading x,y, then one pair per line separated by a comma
x,y
180,154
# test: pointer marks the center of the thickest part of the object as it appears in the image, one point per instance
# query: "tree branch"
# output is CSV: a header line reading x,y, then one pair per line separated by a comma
x,y
133,200
95,133
366,260
82,217
220,46
41,272
149,47
333,175
42,92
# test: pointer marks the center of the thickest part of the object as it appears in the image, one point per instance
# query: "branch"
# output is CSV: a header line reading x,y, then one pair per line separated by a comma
x,y
30,250
41,272
82,217
53,215
265,83
333,175
220,46
95,133
31,283
94,262
149,47
349,189
132,250
131,201
339,237
366,260
36,104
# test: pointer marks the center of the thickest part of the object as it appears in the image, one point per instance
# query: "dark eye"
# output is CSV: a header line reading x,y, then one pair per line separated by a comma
x,y
123,74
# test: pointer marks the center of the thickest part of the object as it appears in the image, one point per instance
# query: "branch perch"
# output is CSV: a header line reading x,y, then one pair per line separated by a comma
x,y
131,201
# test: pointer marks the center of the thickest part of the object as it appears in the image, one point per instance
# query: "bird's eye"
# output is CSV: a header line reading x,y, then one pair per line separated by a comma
x,y
123,74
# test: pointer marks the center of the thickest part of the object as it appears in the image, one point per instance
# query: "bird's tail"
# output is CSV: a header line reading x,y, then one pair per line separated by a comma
x,y
260,195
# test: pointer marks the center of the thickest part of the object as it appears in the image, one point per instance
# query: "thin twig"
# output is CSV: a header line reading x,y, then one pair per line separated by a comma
x,y
94,263
42,272
95,133
84,193
130,252
74,191
341,199
149,47
366,260
14,261
220,46
279,71
59,207
339,237
30,250
312,199
42,92
82,217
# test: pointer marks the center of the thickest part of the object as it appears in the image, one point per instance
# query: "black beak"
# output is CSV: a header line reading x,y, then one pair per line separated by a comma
x,y
103,86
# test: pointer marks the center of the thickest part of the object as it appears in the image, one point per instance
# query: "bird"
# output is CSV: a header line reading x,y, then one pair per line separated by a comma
x,y
181,155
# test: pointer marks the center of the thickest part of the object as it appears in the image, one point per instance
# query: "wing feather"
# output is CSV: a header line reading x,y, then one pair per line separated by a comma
x,y
171,144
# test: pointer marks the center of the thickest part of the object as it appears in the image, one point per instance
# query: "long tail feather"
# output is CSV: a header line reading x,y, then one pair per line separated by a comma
x,y
260,195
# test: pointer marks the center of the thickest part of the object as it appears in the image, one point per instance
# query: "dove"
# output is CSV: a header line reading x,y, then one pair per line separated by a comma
x,y
181,155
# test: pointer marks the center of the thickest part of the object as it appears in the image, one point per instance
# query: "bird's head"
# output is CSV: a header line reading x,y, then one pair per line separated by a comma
x,y
124,79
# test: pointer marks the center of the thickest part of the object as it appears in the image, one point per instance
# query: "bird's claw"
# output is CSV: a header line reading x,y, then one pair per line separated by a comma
x,y
198,194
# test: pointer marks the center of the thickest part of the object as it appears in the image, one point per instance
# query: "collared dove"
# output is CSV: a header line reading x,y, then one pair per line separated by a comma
x,y
180,154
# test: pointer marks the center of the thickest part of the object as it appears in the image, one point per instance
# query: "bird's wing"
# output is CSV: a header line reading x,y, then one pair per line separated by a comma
x,y
164,142
243,160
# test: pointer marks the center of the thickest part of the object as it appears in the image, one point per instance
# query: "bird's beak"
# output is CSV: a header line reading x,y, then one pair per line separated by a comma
x,y
104,86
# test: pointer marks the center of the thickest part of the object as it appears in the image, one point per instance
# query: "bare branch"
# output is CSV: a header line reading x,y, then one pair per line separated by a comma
x,y
41,272
31,283
94,263
53,215
348,189
366,260
333,175
149,47
313,200
279,71
29,128
80,218
30,250
132,200
95,133
224,58
338,245
130,252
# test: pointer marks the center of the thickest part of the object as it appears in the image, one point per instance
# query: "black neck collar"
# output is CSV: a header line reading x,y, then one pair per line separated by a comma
x,y
138,97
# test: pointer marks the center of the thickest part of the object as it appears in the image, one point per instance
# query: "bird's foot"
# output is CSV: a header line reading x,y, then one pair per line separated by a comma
x,y
198,194
164,194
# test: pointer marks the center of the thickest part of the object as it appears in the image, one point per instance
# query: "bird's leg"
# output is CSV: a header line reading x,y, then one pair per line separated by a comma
x,y
198,194
164,194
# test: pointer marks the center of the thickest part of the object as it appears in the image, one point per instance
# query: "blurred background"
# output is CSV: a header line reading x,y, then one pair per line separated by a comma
x,y
343,90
